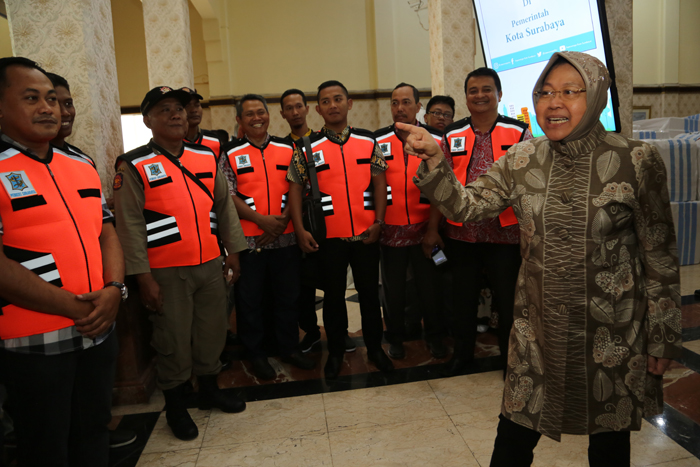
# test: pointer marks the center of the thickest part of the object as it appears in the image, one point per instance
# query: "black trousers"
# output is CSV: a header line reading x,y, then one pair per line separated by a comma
x,y
273,273
515,444
61,405
395,263
502,264
364,261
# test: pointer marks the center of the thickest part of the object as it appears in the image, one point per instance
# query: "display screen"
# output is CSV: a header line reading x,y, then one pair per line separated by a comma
x,y
518,38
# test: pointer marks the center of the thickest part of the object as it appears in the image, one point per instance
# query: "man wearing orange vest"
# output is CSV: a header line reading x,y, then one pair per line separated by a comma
x,y
472,145
61,280
406,220
294,110
214,140
256,168
350,170
172,206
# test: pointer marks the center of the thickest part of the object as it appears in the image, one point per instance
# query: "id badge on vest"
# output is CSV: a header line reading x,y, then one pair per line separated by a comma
x,y
17,184
457,144
154,171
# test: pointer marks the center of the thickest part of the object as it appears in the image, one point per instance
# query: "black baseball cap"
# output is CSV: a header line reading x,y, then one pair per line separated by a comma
x,y
192,93
159,93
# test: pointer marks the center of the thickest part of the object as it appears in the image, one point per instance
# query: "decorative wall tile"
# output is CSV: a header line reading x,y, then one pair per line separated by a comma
x,y
669,104
452,48
168,45
74,39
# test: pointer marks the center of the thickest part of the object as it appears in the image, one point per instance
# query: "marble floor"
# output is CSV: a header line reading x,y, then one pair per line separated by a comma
x,y
409,417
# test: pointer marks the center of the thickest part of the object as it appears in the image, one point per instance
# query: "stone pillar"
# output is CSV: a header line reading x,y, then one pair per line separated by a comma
x,y
452,49
619,14
168,43
74,39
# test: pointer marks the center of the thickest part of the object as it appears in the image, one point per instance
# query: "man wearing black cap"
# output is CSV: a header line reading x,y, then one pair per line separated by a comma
x,y
214,140
171,202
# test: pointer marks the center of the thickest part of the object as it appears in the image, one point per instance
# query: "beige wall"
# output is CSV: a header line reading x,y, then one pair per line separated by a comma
x,y
130,50
5,43
689,42
199,59
666,38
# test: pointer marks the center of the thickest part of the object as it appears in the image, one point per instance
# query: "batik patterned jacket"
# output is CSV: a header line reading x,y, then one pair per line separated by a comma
x,y
598,289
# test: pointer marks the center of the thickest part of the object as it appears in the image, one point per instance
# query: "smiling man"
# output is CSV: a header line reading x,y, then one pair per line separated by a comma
x,y
61,274
256,168
172,206
472,145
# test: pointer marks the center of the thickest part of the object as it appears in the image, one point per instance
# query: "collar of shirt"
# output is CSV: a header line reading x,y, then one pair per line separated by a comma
x,y
197,137
162,151
19,146
267,140
295,137
338,138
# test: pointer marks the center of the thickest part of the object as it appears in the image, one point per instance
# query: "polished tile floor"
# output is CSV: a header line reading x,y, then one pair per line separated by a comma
x,y
410,417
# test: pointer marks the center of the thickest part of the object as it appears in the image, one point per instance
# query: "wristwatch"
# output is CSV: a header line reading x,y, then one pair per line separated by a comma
x,y
122,288
379,221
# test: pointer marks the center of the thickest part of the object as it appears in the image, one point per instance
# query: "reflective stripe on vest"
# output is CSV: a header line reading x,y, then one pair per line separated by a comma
x,y
212,143
179,224
261,177
52,220
345,182
461,142
406,204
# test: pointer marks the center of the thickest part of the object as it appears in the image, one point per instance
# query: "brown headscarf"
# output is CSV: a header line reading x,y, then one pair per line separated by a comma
x,y
597,81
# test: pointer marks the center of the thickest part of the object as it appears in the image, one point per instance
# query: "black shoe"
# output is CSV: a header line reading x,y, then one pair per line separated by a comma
x,y
349,344
226,358
333,366
176,414
380,360
262,368
119,438
297,359
396,351
211,396
437,349
309,340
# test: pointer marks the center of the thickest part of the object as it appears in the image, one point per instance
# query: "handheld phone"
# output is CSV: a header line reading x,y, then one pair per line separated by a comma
x,y
438,256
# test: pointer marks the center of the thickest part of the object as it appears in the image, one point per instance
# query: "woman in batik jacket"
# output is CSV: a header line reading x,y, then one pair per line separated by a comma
x,y
597,308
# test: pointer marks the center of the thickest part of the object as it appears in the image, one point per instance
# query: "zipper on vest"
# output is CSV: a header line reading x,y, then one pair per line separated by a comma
x,y
196,217
405,187
347,189
267,181
87,265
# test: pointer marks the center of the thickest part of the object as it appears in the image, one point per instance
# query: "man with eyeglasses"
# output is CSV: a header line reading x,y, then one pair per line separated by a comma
x,y
471,146
439,112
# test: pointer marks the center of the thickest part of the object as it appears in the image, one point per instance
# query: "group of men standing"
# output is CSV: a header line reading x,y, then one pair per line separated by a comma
x,y
194,211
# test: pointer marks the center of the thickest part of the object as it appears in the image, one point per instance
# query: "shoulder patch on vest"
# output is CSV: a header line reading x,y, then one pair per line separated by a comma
x,y
243,161
17,184
385,148
154,171
457,144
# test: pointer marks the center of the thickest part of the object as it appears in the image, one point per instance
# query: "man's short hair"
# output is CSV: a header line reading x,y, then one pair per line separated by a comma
x,y
484,71
15,61
250,97
440,100
290,92
58,80
416,96
328,84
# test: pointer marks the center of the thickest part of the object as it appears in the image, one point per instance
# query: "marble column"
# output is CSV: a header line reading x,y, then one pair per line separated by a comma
x,y
452,48
74,39
619,13
168,43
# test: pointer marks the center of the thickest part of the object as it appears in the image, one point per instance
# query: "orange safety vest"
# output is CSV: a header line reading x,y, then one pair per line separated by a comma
x,y
460,140
261,175
345,182
406,204
52,219
181,224
209,139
